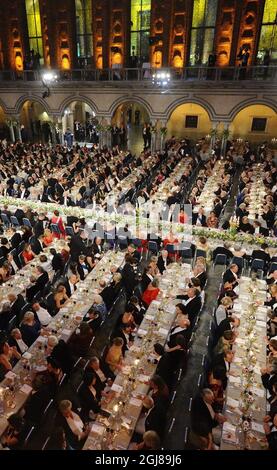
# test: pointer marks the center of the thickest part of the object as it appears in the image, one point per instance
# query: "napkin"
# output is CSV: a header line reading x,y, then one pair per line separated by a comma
x,y
135,401
116,388
26,389
143,378
257,427
10,375
142,332
260,323
27,355
97,429
233,403
163,331
149,317
258,391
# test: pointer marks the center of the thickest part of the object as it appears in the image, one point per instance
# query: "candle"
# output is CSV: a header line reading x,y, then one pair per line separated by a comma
x,y
136,362
115,408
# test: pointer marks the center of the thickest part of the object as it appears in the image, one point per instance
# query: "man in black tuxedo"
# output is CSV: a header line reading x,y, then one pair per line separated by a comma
x,y
223,250
155,419
70,285
42,279
227,324
223,360
269,376
16,304
192,302
203,417
101,372
37,245
78,245
200,273
199,218
93,319
231,275
259,230
182,327
146,278
57,260
128,275
262,254
40,225
15,239
163,261
124,332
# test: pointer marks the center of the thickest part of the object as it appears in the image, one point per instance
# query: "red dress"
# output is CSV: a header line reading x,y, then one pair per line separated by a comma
x,y
58,221
27,256
169,242
149,295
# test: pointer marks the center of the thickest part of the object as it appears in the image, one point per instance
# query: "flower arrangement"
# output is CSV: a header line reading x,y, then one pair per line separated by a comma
x,y
163,130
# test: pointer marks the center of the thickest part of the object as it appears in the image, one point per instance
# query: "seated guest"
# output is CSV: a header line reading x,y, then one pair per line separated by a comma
x,y
138,310
42,278
71,285
270,429
97,247
163,261
229,323
90,395
259,230
73,426
224,361
8,356
27,253
114,356
99,306
222,311
79,342
110,293
182,327
192,302
30,328
151,293
5,316
231,275
228,291
101,372
199,272
147,277
204,420
31,289
5,247
128,273
37,245
212,220
272,297
245,226
42,314
14,436
124,331
199,218
57,260
159,391
82,267
272,278
153,417
238,251
48,237
223,250
45,263
93,319
215,381
262,254
61,354
60,297
225,342
151,441
16,340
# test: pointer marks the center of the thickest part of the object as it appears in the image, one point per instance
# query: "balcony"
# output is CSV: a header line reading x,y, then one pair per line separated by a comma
x,y
195,75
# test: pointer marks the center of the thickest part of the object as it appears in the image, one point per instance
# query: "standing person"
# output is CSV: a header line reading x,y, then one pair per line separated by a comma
x,y
144,135
57,220
148,134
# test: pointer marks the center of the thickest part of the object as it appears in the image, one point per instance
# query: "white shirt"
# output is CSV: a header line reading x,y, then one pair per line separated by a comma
x,y
43,316
76,424
22,346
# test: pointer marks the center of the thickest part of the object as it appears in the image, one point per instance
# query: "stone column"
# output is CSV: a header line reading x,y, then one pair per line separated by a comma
x,y
17,129
213,135
225,136
11,129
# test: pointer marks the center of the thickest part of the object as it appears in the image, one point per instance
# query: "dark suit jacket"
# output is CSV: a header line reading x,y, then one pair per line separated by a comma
x,y
15,240
156,420
193,307
145,281
203,219
201,420
88,401
77,247
228,276
17,306
42,281
129,278
221,250
268,382
218,361
36,247
57,262
118,333
161,265
71,438
202,278
261,254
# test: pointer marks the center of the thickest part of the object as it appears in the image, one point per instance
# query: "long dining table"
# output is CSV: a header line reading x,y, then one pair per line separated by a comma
x,y
244,374
125,400
63,326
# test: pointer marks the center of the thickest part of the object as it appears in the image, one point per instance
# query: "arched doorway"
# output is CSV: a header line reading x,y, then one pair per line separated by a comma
x,y
189,120
4,129
80,119
257,123
128,119
35,123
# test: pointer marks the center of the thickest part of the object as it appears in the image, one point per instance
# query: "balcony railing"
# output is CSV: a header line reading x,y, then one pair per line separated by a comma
x,y
197,74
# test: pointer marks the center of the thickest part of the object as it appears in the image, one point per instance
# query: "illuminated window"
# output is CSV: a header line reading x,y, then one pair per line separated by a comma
x,y
140,28
268,37
84,29
34,29
202,31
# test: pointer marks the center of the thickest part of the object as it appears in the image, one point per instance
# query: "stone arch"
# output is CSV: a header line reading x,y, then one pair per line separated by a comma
x,y
70,99
189,119
133,99
263,129
207,107
250,102
33,98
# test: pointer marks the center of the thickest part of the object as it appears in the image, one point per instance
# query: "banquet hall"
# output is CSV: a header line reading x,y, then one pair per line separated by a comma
x,y
138,226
